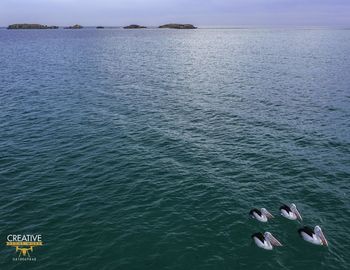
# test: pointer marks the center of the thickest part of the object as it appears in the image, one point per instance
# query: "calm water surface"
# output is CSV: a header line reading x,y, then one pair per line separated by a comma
x,y
146,149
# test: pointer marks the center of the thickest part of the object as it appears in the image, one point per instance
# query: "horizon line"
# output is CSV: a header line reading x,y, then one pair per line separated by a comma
x,y
203,26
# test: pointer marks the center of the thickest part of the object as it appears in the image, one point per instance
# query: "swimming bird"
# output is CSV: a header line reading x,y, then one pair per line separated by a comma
x,y
262,215
314,236
291,212
266,240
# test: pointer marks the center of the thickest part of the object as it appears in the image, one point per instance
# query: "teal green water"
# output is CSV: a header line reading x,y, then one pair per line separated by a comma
x,y
147,149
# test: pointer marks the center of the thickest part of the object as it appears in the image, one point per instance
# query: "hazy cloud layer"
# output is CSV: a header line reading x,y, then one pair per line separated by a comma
x,y
199,12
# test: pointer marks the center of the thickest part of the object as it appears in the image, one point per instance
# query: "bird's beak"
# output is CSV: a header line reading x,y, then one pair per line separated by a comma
x,y
296,212
274,241
268,214
323,239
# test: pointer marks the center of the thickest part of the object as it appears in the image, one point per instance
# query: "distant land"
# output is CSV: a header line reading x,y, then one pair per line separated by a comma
x,y
77,26
178,26
134,26
30,26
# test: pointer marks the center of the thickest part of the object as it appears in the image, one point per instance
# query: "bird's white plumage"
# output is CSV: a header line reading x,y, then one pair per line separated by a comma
x,y
291,212
313,240
317,237
263,215
261,218
289,215
268,241
265,245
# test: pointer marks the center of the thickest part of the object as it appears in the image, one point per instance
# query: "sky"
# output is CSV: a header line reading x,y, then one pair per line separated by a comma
x,y
323,13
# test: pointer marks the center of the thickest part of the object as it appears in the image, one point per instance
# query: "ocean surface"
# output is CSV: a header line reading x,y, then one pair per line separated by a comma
x,y
146,149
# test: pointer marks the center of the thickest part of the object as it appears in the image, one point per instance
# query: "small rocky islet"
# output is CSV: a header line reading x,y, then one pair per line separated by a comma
x,y
30,26
169,25
178,26
76,26
38,26
134,26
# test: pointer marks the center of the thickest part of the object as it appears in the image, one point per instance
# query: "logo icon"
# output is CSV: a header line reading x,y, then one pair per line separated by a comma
x,y
24,245
24,251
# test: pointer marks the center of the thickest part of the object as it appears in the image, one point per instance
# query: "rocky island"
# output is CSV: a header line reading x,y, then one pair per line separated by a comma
x,y
134,26
76,26
30,26
178,26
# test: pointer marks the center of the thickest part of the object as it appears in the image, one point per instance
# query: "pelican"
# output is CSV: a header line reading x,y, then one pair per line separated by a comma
x,y
262,215
265,241
291,212
314,236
